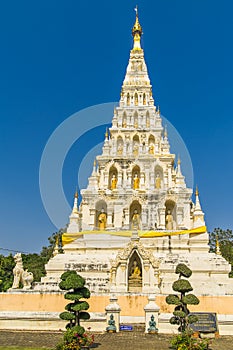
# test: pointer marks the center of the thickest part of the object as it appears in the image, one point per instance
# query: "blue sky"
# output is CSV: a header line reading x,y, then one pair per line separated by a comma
x,y
58,57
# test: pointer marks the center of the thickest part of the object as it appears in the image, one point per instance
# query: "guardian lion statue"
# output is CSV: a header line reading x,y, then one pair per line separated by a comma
x,y
20,275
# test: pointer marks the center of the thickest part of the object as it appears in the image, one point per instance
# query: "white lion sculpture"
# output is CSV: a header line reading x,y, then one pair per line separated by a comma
x,y
21,275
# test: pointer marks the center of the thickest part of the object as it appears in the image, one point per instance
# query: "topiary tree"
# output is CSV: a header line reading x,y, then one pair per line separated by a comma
x,y
181,313
75,335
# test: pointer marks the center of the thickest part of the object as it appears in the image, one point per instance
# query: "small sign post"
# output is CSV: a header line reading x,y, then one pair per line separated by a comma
x,y
126,327
207,323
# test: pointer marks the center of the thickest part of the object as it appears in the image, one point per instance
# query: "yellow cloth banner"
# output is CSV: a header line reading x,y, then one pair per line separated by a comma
x,y
70,237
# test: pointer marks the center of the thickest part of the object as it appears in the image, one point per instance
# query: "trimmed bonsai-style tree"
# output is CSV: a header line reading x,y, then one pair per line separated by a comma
x,y
181,315
75,335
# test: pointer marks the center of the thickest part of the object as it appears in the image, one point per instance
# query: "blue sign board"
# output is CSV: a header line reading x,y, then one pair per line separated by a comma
x,y
125,327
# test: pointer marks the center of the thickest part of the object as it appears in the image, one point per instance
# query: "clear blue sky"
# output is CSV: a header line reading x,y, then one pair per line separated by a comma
x,y
58,57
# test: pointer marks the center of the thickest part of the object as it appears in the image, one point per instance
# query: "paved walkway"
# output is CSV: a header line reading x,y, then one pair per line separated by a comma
x,y
119,341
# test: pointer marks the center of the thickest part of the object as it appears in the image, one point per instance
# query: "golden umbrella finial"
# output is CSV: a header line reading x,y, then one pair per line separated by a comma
x,y
137,32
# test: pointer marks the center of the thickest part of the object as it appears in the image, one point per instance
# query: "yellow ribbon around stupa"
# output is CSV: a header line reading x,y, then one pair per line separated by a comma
x,y
70,237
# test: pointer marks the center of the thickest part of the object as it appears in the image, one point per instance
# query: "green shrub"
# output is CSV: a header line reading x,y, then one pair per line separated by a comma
x,y
75,335
181,315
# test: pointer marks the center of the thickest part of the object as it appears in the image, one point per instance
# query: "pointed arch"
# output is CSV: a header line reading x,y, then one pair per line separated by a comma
x,y
144,99
128,99
159,177
136,177
170,214
136,99
112,178
119,145
135,211
135,272
136,144
101,214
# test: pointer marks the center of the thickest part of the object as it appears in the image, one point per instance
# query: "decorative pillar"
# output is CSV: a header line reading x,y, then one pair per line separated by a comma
x,y
162,217
179,216
146,276
151,309
127,219
113,309
109,217
119,180
144,216
92,217
105,179
129,182
142,181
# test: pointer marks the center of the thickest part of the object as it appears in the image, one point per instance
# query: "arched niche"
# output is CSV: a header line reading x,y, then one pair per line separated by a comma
x,y
170,215
101,215
119,145
136,99
128,99
136,145
158,177
134,273
112,178
144,99
151,143
136,177
135,211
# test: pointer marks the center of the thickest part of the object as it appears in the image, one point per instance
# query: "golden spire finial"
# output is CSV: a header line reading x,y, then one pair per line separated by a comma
x,y
76,193
94,163
165,131
106,133
178,161
217,246
137,32
197,192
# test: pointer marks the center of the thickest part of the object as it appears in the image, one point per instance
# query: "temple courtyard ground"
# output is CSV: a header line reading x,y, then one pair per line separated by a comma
x,y
120,341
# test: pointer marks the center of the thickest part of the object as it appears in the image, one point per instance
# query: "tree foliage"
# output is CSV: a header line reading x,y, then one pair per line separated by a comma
x,y
74,284
181,315
6,272
75,335
225,239
35,263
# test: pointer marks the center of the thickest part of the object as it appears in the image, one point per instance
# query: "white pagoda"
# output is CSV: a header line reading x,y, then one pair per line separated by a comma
x,y
136,220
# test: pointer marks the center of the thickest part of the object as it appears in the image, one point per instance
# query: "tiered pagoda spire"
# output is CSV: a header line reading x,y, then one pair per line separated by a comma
x,y
136,180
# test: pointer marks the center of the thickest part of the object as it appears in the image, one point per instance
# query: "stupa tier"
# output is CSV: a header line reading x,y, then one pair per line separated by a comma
x,y
136,219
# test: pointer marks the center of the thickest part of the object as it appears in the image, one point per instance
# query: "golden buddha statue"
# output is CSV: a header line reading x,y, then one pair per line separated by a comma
x,y
169,220
158,182
151,149
120,149
135,220
102,220
136,182
135,150
113,182
135,272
